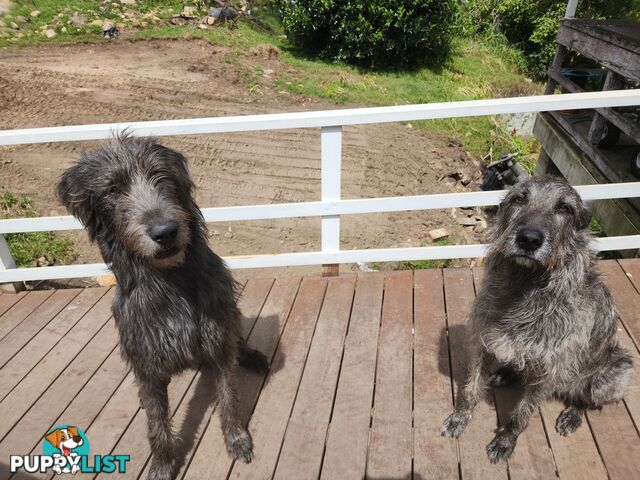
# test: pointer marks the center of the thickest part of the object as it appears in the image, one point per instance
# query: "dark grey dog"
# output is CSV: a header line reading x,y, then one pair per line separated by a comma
x,y
175,302
543,315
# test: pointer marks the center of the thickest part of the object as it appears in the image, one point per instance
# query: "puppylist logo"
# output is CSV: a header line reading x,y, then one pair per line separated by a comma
x,y
65,450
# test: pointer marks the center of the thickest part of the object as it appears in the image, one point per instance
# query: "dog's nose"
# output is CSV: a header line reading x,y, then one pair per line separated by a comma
x,y
77,439
164,232
529,239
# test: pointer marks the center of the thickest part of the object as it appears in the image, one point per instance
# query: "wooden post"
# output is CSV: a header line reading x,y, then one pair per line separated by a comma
x,y
7,262
331,168
612,81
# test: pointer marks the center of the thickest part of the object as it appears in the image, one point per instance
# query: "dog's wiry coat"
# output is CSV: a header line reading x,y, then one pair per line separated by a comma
x,y
542,314
175,302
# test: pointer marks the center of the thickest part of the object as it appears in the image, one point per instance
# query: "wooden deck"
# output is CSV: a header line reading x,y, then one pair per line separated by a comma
x,y
364,369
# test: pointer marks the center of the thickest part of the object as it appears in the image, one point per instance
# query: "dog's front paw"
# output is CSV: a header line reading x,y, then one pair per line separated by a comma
x,y
568,421
57,469
455,424
161,469
501,447
240,445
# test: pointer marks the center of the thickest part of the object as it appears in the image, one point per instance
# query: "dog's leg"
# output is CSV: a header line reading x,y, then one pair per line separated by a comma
x,y
569,420
236,436
502,445
154,397
468,396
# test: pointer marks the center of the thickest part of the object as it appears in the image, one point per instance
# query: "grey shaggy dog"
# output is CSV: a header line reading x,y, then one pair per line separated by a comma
x,y
175,301
542,315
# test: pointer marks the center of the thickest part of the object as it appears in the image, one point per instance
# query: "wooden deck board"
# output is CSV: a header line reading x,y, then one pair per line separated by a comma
x,y
363,373
349,428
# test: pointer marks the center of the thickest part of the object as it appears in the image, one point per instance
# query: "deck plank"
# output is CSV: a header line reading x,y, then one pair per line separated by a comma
x,y
275,316
9,300
271,415
52,365
625,296
631,267
24,358
22,309
434,455
193,414
303,445
390,449
474,464
349,428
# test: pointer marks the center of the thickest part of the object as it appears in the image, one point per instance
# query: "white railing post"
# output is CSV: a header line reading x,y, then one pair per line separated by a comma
x,y
7,262
572,6
331,169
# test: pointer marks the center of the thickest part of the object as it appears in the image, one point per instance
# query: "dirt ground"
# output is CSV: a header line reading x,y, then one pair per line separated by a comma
x,y
152,80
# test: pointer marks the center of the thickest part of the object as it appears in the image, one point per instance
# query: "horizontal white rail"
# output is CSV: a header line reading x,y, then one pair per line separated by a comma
x,y
336,207
306,258
327,118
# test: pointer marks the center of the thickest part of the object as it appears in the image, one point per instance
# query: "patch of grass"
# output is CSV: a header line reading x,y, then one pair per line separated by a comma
x,y
423,264
32,248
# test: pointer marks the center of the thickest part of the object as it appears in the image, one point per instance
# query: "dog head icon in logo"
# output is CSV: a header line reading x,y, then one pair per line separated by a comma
x,y
67,444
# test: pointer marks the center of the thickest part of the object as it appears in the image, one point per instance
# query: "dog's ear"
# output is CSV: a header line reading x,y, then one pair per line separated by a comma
x,y
54,438
77,197
73,430
583,218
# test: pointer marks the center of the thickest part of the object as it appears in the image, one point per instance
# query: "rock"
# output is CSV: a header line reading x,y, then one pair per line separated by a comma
x,y
20,19
63,29
107,25
189,11
78,20
438,234
466,221
3,12
128,2
465,180
203,26
228,234
14,25
106,280
209,20
97,23
50,33
35,13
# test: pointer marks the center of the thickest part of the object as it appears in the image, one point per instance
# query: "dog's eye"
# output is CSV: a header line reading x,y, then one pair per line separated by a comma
x,y
518,200
113,189
563,209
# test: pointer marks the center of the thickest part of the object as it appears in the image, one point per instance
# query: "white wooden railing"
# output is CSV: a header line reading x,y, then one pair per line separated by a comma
x,y
330,207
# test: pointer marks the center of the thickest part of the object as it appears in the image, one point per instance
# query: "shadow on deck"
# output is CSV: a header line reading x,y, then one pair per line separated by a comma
x,y
363,372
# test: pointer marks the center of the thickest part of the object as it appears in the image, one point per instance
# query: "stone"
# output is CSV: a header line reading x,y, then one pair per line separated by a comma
x,y
78,20
203,26
35,13
107,25
466,221
106,280
128,2
438,233
14,25
50,33
189,11
3,12
97,23
20,19
209,20
63,29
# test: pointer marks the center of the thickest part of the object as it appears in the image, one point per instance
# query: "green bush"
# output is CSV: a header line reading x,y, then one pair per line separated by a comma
x,y
531,26
375,33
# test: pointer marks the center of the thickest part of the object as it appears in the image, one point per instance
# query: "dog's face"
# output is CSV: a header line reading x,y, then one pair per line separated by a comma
x,y
66,439
539,222
137,191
